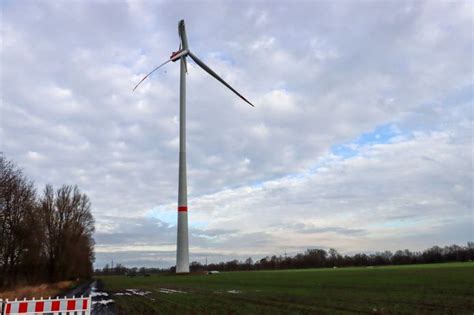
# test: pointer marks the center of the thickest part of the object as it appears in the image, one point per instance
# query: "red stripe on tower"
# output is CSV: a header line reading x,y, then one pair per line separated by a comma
x,y
182,208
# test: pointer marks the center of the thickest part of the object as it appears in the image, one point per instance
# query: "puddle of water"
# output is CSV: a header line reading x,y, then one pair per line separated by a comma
x,y
234,291
123,293
97,293
137,292
103,302
169,291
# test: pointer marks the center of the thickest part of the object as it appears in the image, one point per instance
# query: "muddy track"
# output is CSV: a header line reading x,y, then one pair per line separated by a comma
x,y
82,289
102,303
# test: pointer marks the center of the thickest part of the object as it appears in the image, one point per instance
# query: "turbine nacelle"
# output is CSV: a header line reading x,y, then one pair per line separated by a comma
x,y
178,54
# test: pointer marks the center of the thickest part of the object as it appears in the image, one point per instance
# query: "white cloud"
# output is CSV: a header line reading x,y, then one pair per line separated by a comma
x,y
263,43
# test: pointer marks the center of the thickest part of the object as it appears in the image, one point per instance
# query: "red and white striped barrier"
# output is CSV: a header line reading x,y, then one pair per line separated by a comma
x,y
81,305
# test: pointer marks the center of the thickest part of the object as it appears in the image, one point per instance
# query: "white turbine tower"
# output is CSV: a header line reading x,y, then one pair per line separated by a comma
x,y
182,251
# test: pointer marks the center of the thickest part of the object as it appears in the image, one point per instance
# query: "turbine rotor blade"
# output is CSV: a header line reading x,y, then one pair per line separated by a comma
x,y
182,34
218,78
144,78
175,56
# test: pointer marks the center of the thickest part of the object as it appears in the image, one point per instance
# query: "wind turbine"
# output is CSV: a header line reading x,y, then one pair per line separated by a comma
x,y
182,250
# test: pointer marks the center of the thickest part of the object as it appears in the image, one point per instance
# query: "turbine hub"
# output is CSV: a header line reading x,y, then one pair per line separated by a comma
x,y
177,54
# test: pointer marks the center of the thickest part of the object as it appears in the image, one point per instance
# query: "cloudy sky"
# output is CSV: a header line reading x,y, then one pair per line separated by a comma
x,y
361,139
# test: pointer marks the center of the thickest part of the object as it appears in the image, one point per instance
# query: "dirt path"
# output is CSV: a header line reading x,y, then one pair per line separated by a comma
x,y
82,289
102,303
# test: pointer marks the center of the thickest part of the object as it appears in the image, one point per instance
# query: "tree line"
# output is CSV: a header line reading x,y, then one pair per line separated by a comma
x,y
316,258
43,237
119,270
320,258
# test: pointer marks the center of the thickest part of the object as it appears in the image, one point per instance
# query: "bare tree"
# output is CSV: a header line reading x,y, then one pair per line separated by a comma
x,y
69,226
17,204
46,239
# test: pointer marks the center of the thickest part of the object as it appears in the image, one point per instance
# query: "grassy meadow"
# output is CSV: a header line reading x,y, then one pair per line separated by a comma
x,y
414,289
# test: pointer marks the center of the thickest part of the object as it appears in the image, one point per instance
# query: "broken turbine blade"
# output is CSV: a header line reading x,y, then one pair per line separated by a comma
x,y
175,56
218,78
150,73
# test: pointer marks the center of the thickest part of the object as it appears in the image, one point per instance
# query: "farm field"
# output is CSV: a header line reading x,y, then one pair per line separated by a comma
x,y
415,289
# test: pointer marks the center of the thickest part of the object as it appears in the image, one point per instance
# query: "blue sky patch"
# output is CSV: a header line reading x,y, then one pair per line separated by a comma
x,y
381,134
164,214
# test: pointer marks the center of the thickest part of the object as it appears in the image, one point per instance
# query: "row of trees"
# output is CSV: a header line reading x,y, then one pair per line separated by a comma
x,y
121,270
45,237
319,258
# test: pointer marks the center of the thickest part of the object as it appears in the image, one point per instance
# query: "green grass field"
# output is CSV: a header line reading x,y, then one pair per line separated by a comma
x,y
415,289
